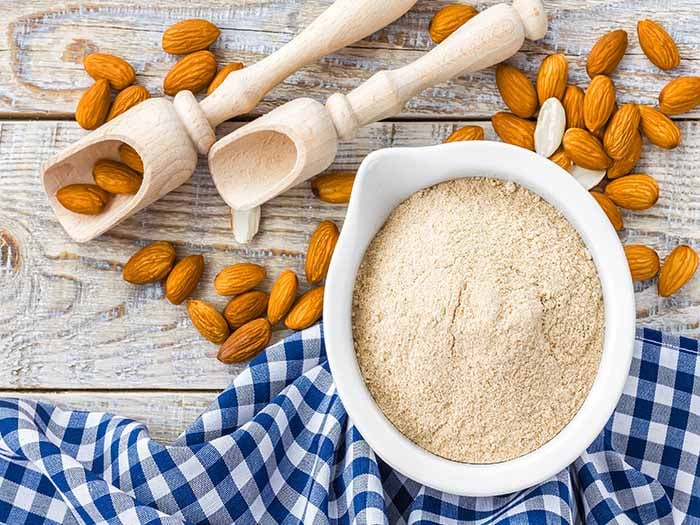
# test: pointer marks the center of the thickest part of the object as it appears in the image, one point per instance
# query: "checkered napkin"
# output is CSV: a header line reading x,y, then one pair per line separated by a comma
x,y
277,447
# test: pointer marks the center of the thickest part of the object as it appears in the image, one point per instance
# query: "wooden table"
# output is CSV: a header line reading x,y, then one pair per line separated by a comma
x,y
74,333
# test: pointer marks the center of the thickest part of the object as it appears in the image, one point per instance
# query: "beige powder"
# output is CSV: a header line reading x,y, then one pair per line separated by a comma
x,y
478,320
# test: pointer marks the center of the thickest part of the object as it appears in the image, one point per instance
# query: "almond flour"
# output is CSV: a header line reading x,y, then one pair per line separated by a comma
x,y
478,320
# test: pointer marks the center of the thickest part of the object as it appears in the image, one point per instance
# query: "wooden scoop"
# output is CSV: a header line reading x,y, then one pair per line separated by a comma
x,y
299,139
167,135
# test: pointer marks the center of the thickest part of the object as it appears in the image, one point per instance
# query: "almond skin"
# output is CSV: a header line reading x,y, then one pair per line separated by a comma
x,y
679,268
585,150
633,192
93,106
627,163
516,90
610,209
282,296
514,130
561,159
192,73
127,99
658,45
115,177
334,188
184,278
680,95
86,199
245,308
466,133
622,131
239,278
188,36
208,321
131,158
222,74
552,77
150,264
246,342
448,19
116,70
643,261
659,129
573,106
607,53
599,102
307,310
320,250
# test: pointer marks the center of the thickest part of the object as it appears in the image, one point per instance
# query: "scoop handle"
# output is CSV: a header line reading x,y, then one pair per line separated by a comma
x,y
487,39
344,22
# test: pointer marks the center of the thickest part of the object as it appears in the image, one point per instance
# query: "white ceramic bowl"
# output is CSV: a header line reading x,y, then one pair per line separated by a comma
x,y
388,177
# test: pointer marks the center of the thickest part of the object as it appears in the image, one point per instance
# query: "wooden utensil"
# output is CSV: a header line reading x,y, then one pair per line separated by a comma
x,y
167,135
299,139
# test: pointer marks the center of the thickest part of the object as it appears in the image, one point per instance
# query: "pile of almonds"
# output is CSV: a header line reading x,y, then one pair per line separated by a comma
x,y
587,134
244,327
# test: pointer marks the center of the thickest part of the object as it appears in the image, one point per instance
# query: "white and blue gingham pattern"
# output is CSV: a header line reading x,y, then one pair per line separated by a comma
x,y
277,447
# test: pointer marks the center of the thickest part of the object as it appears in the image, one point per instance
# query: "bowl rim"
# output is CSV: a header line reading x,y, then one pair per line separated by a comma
x,y
427,166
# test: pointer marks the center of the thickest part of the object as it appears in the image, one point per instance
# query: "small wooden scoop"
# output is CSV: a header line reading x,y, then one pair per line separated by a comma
x,y
299,139
168,135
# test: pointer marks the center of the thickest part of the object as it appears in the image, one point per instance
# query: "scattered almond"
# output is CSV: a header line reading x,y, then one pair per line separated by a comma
x,y
643,261
282,296
115,177
188,36
633,192
307,310
127,99
448,19
222,74
239,278
607,53
116,70
466,133
622,131
335,188
627,163
659,129
514,130
585,150
599,102
320,251
573,106
680,95
246,342
516,90
678,269
587,178
658,45
610,209
561,159
184,278
131,158
245,307
551,123
86,199
208,321
150,264
93,106
552,77
192,73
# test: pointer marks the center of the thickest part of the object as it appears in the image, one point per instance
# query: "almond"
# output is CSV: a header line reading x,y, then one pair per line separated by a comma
x,y
516,90
622,131
131,158
561,159
551,123
658,45
208,321
93,106
193,73
607,53
127,99
448,19
680,95
633,192
679,267
573,106
150,264
188,36
659,129
466,133
239,278
307,310
643,261
552,77
116,70
514,130
282,296
320,251
599,102
610,209
333,187
627,163
585,150
246,342
222,74
245,308
115,177
86,199
589,179
184,278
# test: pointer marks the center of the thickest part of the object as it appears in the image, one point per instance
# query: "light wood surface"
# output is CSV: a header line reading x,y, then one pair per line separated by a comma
x,y
73,332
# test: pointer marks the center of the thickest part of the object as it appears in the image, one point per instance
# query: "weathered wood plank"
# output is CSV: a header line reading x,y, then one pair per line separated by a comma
x,y
43,45
69,321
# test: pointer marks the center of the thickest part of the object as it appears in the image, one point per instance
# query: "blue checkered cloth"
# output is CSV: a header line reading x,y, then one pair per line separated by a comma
x,y
277,447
